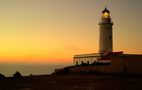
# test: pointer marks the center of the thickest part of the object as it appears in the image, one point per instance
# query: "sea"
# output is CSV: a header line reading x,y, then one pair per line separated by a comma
x,y
29,69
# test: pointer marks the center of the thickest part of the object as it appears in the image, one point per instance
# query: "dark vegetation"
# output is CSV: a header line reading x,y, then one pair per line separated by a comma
x,y
72,82
2,76
89,80
66,70
17,75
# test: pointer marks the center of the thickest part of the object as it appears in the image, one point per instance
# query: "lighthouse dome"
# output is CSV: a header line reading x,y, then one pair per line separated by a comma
x,y
105,11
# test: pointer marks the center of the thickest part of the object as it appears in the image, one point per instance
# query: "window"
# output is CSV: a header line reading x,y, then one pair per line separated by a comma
x,y
94,62
87,62
82,62
76,62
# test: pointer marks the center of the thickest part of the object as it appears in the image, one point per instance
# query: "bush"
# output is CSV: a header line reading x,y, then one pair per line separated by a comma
x,y
17,75
2,76
66,70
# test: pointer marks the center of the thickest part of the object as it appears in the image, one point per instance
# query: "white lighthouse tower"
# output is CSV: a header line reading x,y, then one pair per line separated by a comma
x,y
105,39
105,43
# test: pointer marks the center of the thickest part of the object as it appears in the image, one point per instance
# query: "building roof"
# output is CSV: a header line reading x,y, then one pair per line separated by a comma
x,y
87,55
108,55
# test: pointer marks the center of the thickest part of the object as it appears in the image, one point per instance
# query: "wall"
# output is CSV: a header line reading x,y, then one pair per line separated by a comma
x,y
134,64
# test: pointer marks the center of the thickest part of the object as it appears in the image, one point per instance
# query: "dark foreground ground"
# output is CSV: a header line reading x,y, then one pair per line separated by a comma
x,y
73,82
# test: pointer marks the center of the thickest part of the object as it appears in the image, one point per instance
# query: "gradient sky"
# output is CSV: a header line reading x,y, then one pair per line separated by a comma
x,y
52,31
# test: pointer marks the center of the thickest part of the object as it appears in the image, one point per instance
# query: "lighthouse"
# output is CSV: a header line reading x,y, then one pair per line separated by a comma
x,y
105,43
106,56
105,31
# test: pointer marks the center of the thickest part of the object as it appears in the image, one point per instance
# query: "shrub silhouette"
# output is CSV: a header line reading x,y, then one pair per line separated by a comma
x,y
66,70
17,75
2,76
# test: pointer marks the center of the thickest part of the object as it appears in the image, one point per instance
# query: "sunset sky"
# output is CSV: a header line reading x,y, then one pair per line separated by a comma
x,y
52,31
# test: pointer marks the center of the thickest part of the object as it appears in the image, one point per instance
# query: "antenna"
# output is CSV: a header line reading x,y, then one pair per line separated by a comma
x,y
105,7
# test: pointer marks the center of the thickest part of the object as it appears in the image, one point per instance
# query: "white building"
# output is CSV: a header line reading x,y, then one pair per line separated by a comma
x,y
86,58
105,42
